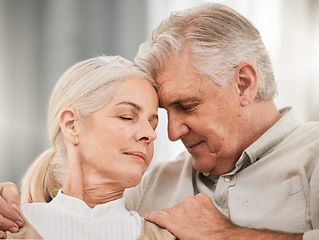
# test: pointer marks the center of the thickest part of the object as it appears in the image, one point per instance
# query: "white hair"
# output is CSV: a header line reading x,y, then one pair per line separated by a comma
x,y
216,38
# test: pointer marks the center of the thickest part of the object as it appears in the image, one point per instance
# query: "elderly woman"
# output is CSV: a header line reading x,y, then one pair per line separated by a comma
x,y
102,120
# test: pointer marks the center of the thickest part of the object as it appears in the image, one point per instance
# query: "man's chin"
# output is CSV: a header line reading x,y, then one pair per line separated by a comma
x,y
200,167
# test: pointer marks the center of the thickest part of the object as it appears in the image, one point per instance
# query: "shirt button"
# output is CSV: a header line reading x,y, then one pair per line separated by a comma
x,y
227,178
206,174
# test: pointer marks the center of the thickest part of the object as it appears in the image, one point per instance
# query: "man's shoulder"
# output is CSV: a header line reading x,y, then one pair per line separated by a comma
x,y
183,160
168,172
165,185
310,127
307,134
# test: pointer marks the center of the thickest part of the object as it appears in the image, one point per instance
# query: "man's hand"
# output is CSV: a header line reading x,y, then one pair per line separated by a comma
x,y
198,218
10,219
194,218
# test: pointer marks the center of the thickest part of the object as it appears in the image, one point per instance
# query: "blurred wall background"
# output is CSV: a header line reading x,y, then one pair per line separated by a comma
x,y
40,39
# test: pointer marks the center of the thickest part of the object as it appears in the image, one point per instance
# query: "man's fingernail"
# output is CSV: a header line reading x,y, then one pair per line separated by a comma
x,y
19,222
14,229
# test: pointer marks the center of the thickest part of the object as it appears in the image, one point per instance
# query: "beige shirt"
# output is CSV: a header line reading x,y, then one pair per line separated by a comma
x,y
275,184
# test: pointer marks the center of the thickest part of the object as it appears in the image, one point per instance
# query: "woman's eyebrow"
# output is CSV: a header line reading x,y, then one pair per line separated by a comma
x,y
134,105
154,116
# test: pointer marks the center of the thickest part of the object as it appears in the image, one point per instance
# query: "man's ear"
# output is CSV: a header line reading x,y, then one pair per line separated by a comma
x,y
247,81
68,124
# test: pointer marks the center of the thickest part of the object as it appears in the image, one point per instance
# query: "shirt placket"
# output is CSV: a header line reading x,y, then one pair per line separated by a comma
x,y
225,182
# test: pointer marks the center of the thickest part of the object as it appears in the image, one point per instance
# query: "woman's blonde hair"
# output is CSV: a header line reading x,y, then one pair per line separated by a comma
x,y
85,88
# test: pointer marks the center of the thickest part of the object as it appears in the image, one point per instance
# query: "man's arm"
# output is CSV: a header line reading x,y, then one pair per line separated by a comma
x,y
198,218
10,219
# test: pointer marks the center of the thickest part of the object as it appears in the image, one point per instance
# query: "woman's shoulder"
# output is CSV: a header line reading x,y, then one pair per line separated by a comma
x,y
26,232
33,208
152,231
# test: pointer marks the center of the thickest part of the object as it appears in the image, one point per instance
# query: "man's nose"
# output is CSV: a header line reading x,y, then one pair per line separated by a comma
x,y
176,127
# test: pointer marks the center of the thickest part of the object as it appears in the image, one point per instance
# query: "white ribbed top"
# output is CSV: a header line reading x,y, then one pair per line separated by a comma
x,y
67,217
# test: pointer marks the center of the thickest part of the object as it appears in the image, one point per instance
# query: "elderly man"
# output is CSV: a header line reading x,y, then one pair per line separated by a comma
x,y
251,171
258,165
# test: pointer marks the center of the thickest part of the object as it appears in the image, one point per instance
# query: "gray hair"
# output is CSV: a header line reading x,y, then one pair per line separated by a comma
x,y
85,87
216,38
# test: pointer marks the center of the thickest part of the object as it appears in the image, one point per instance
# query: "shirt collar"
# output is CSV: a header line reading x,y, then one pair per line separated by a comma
x,y
79,208
288,122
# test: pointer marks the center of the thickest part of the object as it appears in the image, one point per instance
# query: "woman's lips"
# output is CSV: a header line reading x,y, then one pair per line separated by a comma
x,y
137,155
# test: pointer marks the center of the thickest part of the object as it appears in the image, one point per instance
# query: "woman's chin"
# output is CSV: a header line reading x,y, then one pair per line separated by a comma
x,y
134,179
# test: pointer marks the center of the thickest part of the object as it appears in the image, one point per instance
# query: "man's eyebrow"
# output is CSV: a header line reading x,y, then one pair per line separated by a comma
x,y
134,105
185,101
177,102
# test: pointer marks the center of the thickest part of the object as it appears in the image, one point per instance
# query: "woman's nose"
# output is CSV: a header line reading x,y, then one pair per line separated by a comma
x,y
147,133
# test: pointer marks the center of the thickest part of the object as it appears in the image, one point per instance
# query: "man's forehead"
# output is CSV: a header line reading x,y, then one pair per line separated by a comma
x,y
178,81
172,94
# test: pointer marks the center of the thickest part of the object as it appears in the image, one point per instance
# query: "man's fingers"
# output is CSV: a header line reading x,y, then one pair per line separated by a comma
x,y
10,193
7,225
9,216
2,235
160,218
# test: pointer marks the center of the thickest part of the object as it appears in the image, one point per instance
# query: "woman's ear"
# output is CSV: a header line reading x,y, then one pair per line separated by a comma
x,y
68,124
247,82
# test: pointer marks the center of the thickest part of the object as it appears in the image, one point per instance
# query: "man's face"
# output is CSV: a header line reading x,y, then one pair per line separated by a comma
x,y
206,117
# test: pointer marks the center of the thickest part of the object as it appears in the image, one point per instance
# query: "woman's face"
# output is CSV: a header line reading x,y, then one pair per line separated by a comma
x,y
116,142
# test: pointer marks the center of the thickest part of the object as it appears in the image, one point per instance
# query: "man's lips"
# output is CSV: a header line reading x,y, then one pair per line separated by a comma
x,y
192,147
137,155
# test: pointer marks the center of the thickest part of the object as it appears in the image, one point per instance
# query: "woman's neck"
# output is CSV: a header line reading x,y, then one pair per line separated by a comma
x,y
92,197
90,186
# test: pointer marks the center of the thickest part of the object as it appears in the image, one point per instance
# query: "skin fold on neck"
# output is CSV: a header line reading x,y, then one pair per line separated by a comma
x,y
87,184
